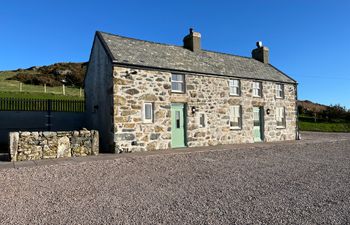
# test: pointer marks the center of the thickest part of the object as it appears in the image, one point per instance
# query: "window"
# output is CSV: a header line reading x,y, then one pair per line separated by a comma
x,y
177,83
177,118
234,87
235,117
279,91
257,89
202,121
280,117
148,113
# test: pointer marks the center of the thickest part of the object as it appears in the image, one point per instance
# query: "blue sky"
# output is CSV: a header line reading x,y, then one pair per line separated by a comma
x,y
309,40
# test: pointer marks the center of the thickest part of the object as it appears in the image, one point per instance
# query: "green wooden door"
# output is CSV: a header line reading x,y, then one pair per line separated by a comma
x,y
257,129
177,125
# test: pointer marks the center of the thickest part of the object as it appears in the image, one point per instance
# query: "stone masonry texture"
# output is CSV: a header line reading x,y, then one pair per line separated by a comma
x,y
208,94
49,145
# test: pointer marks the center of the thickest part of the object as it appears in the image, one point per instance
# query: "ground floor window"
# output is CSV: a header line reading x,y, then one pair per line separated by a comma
x,y
202,121
148,112
280,117
236,117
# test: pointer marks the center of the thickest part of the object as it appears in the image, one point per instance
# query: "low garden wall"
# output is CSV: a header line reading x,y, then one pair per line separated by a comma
x,y
25,145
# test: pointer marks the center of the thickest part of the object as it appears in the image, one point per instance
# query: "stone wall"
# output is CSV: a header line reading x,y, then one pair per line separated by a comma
x,y
208,94
27,145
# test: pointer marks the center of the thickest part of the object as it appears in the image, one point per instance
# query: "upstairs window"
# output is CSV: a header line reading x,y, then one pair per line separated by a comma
x,y
177,83
234,87
279,91
280,117
236,117
148,112
257,86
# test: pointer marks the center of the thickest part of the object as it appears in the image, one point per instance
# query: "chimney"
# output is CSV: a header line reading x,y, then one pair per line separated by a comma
x,y
193,41
261,53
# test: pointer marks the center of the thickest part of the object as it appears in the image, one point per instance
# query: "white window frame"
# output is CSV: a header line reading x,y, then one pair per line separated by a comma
x,y
281,117
199,120
279,91
236,115
145,120
176,81
257,87
234,84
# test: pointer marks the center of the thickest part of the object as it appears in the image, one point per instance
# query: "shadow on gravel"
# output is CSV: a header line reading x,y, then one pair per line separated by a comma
x,y
4,156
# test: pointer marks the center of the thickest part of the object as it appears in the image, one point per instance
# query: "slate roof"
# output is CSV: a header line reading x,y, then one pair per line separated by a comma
x,y
135,52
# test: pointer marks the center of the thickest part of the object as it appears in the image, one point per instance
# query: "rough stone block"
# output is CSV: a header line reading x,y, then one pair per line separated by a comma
x,y
49,134
14,139
63,147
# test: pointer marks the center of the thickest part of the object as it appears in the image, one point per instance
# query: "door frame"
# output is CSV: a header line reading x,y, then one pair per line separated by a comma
x,y
262,122
184,125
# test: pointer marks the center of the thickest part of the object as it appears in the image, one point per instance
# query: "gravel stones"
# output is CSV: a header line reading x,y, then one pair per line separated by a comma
x,y
295,182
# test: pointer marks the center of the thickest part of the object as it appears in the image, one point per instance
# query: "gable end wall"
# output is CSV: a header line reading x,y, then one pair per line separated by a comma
x,y
99,95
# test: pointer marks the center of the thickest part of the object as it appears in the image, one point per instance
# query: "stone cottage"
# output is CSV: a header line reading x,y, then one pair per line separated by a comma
x,y
143,96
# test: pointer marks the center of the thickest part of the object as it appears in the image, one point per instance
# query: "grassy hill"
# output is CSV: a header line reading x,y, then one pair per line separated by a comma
x,y
29,83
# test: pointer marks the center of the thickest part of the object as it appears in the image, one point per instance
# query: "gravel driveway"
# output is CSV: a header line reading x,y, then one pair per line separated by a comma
x,y
304,182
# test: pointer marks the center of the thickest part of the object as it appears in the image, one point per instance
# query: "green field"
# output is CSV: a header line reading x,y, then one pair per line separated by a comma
x,y
11,88
324,126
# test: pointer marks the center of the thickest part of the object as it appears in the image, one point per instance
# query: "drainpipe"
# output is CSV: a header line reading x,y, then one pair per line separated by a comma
x,y
297,137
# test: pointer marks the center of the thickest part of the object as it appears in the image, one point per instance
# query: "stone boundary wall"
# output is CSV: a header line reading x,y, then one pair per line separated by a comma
x,y
25,145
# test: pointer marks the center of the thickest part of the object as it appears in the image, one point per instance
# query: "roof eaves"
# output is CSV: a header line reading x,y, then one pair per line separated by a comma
x,y
284,74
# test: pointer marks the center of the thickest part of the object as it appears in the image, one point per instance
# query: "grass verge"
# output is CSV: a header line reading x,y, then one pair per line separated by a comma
x,y
38,95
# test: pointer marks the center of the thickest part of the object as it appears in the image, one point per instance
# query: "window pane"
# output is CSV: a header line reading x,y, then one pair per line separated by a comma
x,y
201,120
175,86
148,111
230,83
234,123
173,77
177,118
232,90
237,111
177,77
180,86
256,92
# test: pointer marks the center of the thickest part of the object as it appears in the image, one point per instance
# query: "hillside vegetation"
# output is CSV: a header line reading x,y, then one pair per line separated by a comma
x,y
31,82
72,74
